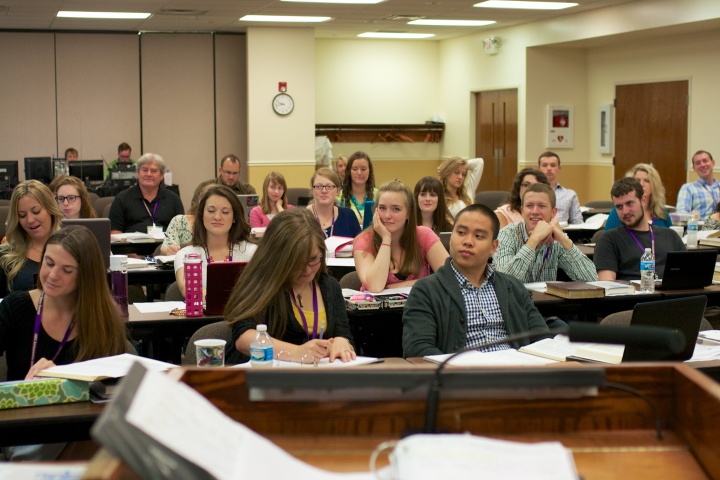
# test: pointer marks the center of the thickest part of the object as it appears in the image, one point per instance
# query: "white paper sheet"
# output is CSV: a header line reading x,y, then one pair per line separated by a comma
x,y
40,471
167,410
114,367
158,307
323,363
481,359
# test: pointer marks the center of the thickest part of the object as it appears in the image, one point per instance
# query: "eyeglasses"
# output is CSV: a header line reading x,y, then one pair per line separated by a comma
x,y
69,198
314,261
321,188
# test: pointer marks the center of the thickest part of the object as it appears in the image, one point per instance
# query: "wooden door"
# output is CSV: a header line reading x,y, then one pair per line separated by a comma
x,y
651,126
496,137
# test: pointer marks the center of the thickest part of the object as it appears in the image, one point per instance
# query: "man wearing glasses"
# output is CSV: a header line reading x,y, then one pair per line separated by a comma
x,y
124,152
229,175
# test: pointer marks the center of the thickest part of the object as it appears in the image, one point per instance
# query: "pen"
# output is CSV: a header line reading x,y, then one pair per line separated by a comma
x,y
322,330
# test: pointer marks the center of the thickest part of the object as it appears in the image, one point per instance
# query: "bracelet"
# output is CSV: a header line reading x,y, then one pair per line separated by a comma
x,y
386,244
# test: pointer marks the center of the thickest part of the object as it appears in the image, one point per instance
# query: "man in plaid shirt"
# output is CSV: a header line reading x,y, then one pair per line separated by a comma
x,y
702,195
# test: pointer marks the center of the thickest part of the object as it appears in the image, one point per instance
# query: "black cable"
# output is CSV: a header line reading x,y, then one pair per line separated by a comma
x,y
642,396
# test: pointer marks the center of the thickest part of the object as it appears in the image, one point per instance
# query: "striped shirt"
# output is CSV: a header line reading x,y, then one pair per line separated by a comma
x,y
700,195
484,318
568,205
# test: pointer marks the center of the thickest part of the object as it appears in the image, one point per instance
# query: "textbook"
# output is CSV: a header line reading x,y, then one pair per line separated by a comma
x,y
614,288
574,290
600,353
43,391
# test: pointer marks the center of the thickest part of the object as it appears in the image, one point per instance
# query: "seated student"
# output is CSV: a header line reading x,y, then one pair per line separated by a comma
x,y
395,252
702,195
460,179
533,249
33,216
654,191
286,287
220,235
70,317
272,202
148,202
466,303
358,185
511,211
431,210
179,231
334,220
618,251
72,197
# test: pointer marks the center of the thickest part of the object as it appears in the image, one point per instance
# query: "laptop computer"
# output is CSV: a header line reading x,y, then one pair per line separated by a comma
x,y
682,314
221,279
249,202
688,270
100,227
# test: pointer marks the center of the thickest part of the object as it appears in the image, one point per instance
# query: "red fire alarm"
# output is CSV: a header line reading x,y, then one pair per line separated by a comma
x,y
282,87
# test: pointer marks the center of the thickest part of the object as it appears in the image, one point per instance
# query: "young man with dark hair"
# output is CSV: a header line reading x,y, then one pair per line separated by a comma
x,y
568,205
702,195
466,303
229,175
618,251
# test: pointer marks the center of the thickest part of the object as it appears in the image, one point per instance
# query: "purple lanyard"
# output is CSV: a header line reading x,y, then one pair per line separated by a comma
x,y
152,215
229,257
332,225
711,191
36,332
547,250
302,314
652,240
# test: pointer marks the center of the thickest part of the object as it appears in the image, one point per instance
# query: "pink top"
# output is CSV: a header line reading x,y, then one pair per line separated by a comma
x,y
426,239
259,219
511,215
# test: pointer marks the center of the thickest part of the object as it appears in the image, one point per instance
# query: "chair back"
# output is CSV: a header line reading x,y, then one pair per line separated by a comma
x,y
173,293
491,198
217,330
351,280
93,197
100,204
600,204
298,196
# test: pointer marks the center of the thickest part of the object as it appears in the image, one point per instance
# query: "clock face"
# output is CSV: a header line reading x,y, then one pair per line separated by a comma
x,y
283,104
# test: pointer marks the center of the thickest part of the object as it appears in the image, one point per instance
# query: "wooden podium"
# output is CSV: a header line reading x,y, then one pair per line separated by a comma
x,y
611,435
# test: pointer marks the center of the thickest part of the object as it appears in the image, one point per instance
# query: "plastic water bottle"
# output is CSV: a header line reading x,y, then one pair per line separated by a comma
x,y
647,271
261,348
193,286
692,228
119,282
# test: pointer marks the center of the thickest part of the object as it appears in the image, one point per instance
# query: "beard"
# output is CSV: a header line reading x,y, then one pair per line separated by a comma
x,y
638,220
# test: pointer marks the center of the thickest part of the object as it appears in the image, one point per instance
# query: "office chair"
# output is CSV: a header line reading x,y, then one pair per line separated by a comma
x,y
491,198
351,281
100,203
622,319
217,330
600,204
173,293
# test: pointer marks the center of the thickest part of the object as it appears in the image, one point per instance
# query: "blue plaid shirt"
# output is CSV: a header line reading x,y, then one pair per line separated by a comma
x,y
700,195
568,205
484,318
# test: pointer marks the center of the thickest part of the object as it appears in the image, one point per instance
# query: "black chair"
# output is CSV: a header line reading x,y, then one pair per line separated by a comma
x,y
491,198
600,204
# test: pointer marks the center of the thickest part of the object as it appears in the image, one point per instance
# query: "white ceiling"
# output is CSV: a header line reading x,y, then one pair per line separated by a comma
x,y
223,15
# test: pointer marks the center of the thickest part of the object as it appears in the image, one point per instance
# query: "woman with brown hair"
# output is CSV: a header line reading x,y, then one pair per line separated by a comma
x,y
72,197
395,251
358,185
334,220
272,202
34,216
432,211
286,287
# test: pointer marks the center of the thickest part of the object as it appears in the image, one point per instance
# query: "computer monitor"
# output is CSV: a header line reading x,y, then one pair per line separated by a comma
x,y
89,171
8,173
39,168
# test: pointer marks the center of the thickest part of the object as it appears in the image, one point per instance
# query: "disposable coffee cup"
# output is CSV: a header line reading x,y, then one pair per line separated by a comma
x,y
210,352
679,229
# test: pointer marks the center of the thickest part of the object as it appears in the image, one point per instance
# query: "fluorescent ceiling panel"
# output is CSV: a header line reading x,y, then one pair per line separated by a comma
x,y
362,2
104,15
452,23
525,5
283,18
395,35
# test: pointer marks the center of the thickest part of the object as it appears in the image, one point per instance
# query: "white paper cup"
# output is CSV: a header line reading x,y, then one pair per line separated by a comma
x,y
210,352
679,229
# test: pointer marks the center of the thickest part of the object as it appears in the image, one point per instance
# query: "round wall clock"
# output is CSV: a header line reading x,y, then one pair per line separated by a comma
x,y
283,104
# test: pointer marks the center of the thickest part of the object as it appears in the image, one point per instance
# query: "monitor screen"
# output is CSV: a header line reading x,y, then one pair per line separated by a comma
x,y
8,173
39,168
87,170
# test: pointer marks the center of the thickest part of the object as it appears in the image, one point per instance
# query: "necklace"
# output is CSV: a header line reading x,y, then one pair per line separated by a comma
x,y
33,248
322,224
315,313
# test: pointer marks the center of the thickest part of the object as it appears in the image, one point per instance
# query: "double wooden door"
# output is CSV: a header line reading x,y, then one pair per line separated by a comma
x,y
496,137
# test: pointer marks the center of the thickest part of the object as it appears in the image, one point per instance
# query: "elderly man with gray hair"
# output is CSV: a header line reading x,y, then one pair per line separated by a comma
x,y
148,202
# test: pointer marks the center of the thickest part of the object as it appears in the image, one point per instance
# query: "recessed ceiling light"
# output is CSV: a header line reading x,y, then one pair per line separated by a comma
x,y
363,2
395,35
525,5
106,15
452,23
283,18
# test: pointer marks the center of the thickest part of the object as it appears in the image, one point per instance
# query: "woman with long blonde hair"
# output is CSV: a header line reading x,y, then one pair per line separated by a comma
x,y
395,250
272,202
653,198
34,215
286,287
460,178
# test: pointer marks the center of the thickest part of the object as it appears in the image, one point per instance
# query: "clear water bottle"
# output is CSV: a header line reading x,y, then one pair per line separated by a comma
x,y
261,348
647,271
119,282
692,229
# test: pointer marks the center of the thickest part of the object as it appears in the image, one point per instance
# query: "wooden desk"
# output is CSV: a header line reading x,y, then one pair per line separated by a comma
x,y
162,335
610,435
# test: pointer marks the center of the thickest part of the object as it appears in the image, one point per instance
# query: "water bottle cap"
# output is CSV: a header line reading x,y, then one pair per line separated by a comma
x,y
262,328
647,249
